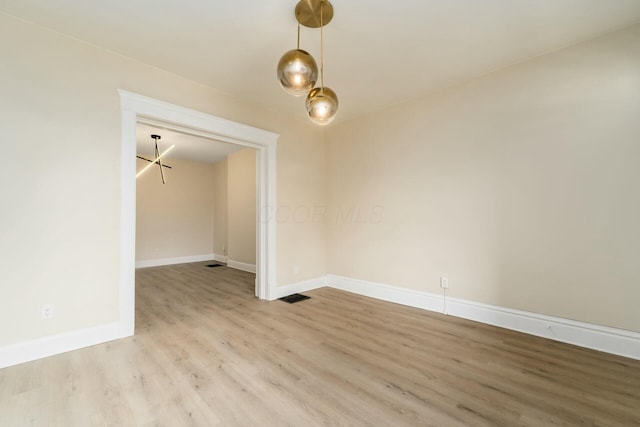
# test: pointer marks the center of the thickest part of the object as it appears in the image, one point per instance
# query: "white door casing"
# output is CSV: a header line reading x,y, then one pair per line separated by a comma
x,y
137,108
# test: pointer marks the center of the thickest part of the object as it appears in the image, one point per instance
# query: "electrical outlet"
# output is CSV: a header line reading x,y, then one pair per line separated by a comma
x,y
296,270
444,282
46,312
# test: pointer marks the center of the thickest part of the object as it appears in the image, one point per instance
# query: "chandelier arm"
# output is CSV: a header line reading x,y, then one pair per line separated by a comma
x,y
152,161
155,161
161,171
159,161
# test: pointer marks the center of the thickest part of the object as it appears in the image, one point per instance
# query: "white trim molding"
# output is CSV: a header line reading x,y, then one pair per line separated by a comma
x,y
136,108
583,334
249,268
15,354
302,286
410,297
171,261
220,258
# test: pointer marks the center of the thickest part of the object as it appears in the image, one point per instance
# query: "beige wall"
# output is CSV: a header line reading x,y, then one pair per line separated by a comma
x,y
241,206
202,209
61,189
523,187
174,219
520,186
220,208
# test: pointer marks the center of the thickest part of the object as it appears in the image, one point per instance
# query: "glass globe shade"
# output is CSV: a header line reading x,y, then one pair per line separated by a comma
x,y
322,105
297,72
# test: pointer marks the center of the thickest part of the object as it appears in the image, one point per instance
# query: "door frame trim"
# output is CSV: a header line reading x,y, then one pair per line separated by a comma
x,y
142,109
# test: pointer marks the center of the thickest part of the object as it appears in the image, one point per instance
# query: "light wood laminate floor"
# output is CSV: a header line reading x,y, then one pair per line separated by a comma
x,y
206,352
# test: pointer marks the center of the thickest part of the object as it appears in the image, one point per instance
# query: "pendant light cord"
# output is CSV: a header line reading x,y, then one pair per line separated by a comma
x,y
321,47
298,36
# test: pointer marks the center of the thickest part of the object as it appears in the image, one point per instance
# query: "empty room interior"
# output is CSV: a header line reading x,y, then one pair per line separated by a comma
x,y
320,213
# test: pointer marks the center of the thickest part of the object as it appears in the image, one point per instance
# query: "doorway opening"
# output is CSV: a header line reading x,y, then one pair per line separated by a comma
x,y
196,203
140,109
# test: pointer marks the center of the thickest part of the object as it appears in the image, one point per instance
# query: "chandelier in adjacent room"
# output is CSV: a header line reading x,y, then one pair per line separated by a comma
x,y
157,160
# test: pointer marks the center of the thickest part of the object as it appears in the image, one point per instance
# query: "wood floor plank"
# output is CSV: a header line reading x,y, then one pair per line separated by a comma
x,y
208,353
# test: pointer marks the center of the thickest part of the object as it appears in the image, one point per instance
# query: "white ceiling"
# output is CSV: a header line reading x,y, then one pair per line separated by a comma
x,y
377,53
187,147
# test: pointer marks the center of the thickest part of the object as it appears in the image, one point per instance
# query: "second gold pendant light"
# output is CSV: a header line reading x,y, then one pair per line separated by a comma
x,y
297,70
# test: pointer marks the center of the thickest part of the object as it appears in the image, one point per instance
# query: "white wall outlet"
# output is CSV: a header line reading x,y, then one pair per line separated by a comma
x,y
46,312
444,282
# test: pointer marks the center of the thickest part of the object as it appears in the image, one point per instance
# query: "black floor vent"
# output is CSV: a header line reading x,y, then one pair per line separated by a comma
x,y
215,265
294,298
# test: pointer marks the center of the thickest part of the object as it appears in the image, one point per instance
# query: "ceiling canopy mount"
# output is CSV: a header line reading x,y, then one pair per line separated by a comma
x,y
308,13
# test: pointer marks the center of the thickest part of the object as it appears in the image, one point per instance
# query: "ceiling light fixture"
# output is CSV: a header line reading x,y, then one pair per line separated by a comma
x,y
296,67
157,160
297,71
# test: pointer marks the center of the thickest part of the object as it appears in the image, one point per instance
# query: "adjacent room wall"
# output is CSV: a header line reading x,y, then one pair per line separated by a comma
x,y
175,219
241,206
60,114
220,209
203,211
522,187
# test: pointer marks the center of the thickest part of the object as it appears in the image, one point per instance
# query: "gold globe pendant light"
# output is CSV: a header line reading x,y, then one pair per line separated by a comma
x,y
297,71
322,105
322,102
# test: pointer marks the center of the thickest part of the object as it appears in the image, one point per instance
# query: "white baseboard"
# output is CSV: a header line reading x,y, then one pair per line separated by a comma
x,y
583,334
175,260
303,286
220,258
596,337
602,338
55,344
250,268
410,297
